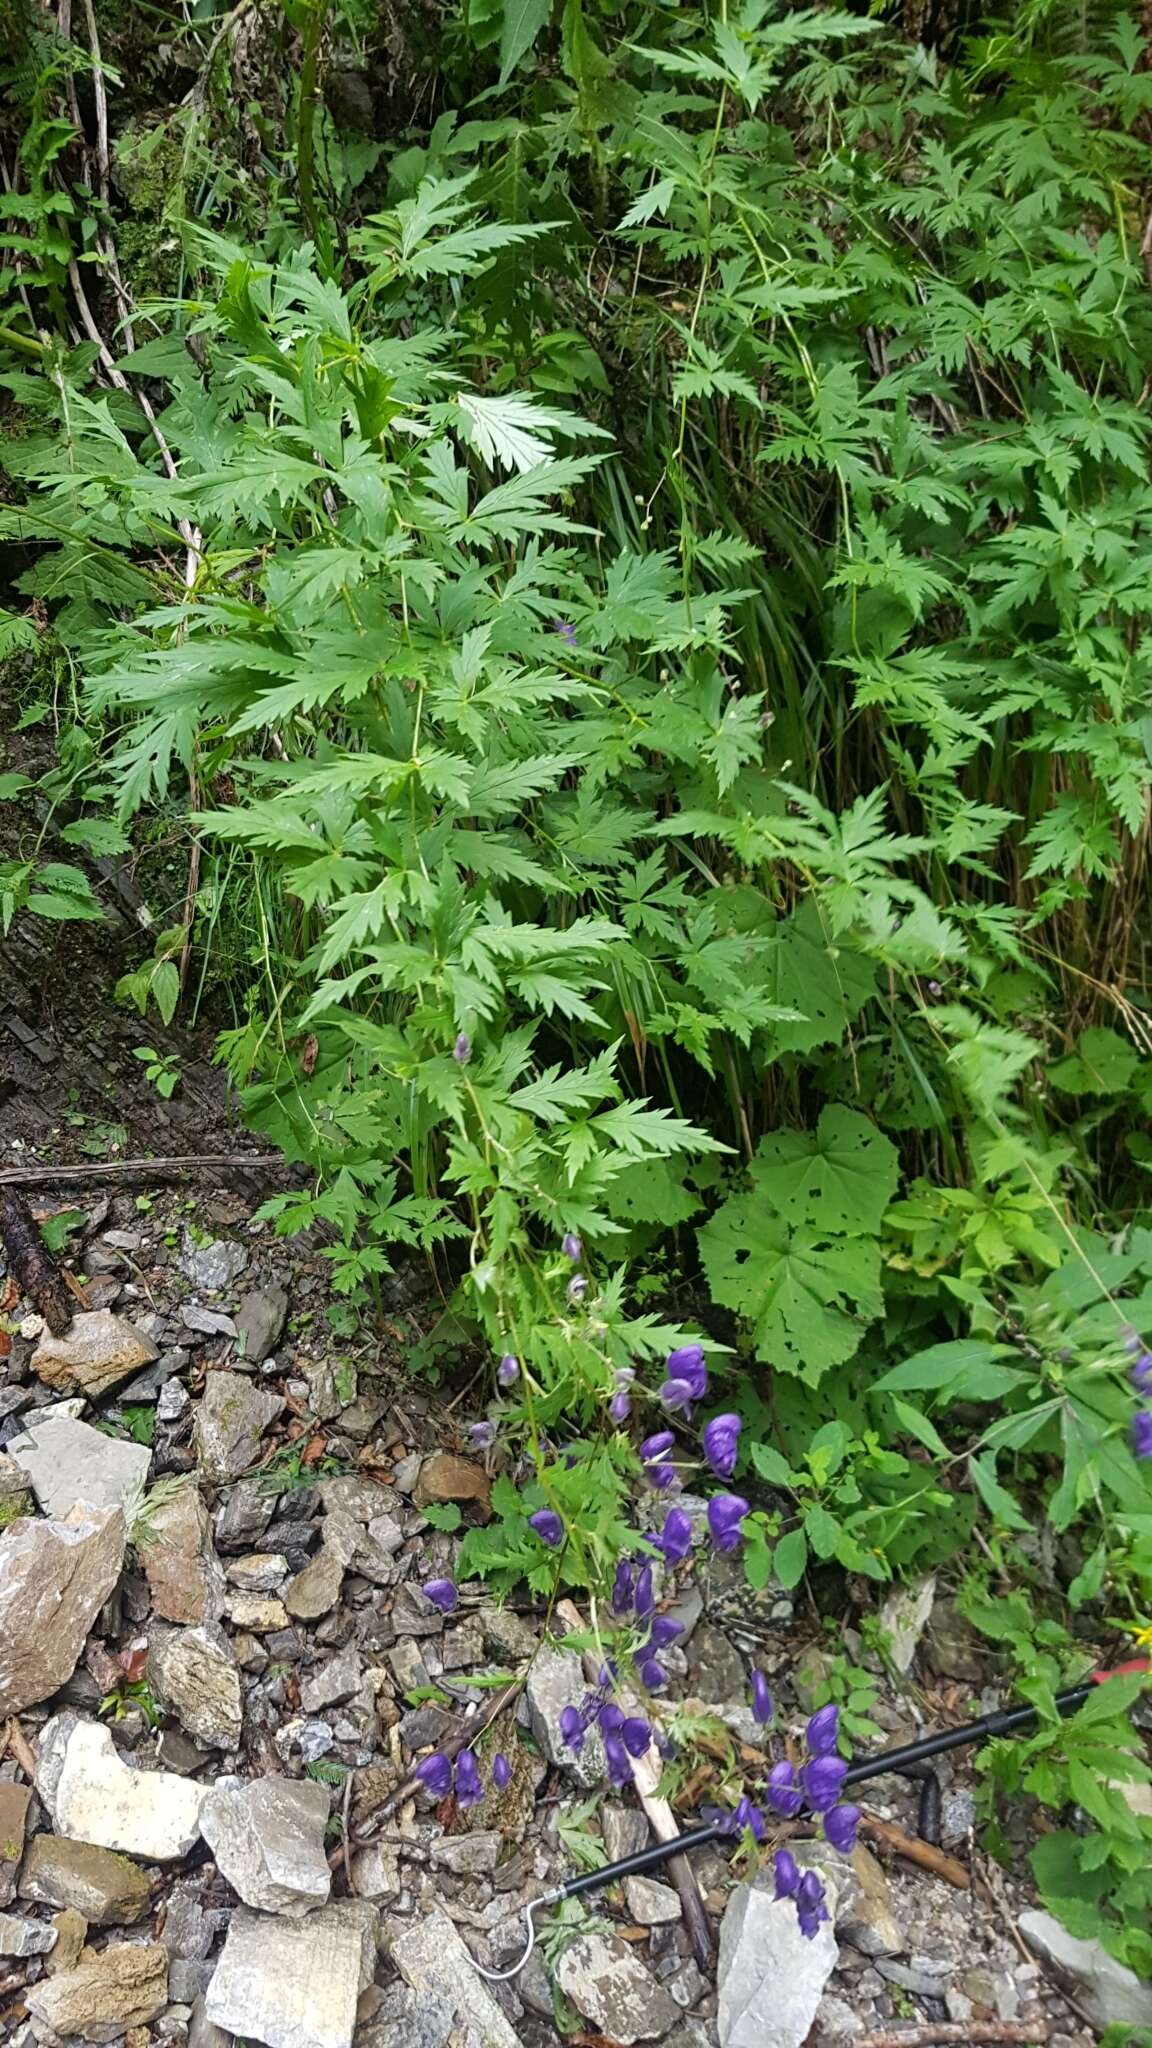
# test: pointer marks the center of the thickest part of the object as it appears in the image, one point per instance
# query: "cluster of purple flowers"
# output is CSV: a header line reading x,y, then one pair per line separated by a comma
x,y
436,1775
813,1788
625,1736
1140,1373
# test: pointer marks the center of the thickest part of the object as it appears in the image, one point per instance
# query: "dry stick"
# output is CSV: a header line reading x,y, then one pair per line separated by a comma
x,y
661,1818
955,2030
916,1851
462,1738
33,1270
128,1169
18,1743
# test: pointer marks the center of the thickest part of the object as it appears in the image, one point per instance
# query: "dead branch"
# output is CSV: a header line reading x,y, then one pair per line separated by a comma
x,y
915,1851
955,2030
33,1270
135,1169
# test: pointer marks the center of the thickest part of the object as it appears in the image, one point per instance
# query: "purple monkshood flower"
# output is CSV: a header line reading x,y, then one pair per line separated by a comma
x,y
572,1729
822,1779
620,1407
1142,1433
674,1395
823,1732
622,1587
726,1511
469,1784
783,1793
840,1826
687,1363
577,1287
810,1907
501,1771
548,1527
508,1370
761,1697
645,1597
1141,1371
721,1441
483,1435
749,1816
652,1674
442,1593
664,1630
435,1774
676,1536
611,1718
653,1456
618,1760
462,1050
787,1874
636,1736
565,630
571,1247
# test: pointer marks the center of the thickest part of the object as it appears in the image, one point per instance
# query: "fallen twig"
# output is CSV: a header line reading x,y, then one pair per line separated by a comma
x,y
31,1267
128,1169
916,1851
20,1747
661,1819
955,2030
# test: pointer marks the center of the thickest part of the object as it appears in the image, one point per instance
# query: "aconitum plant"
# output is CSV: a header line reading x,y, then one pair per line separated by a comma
x,y
636,1636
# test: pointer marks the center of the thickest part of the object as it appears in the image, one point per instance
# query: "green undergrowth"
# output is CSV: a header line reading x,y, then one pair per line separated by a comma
x,y
636,632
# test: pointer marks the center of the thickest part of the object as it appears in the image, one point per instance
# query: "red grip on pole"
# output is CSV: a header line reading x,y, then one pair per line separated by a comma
x,y
1122,1670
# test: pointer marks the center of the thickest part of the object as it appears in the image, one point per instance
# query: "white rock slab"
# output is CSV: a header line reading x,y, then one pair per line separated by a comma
x,y
94,1797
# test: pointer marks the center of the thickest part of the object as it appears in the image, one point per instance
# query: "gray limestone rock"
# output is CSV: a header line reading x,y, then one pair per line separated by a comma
x,y
96,1352
555,1681
54,1579
651,1904
193,1673
212,1266
260,1319
21,1937
295,1983
268,1841
106,1889
903,1618
612,1988
469,1855
433,1961
123,1986
230,1421
1111,1994
315,1590
68,1463
332,1683
180,1565
769,1979
244,1516
94,1797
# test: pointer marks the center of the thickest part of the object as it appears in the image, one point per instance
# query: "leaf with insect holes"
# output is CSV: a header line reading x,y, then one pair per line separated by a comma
x,y
840,1177
807,1295
1102,1064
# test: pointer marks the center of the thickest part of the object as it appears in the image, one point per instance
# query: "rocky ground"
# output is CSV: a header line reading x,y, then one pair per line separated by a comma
x,y
216,1661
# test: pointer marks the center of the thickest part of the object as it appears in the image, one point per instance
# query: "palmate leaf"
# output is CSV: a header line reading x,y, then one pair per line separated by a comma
x,y
824,985
807,1295
840,1177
